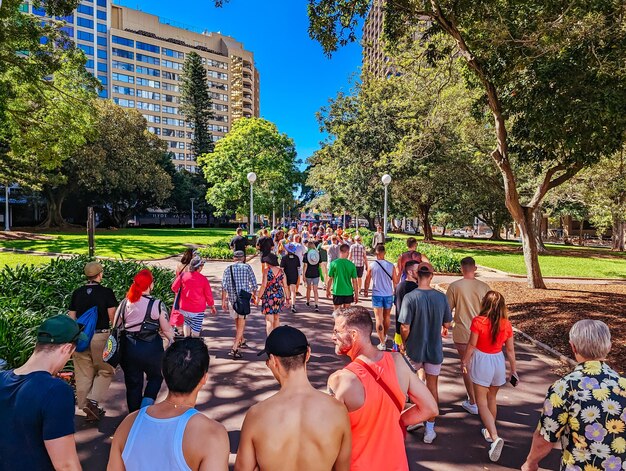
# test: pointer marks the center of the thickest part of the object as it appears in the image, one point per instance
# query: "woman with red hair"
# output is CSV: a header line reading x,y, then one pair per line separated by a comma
x,y
144,320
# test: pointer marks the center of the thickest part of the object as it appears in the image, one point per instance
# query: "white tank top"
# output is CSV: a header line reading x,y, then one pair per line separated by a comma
x,y
156,443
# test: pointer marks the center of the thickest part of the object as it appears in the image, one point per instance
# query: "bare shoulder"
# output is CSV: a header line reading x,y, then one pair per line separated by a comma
x,y
123,429
203,426
343,379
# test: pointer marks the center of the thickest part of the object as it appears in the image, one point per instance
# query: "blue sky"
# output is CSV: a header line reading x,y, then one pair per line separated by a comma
x,y
296,77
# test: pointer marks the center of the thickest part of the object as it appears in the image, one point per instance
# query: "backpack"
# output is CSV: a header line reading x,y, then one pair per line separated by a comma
x,y
88,320
313,257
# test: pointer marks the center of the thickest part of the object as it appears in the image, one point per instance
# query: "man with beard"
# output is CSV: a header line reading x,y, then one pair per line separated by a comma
x,y
374,388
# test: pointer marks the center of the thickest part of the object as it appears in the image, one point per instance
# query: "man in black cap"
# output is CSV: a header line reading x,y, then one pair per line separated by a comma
x,y
298,425
36,408
93,375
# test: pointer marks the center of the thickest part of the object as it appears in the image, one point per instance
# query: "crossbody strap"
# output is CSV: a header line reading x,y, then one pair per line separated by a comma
x,y
386,272
232,278
381,383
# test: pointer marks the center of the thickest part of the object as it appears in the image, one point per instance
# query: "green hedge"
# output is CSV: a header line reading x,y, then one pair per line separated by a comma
x,y
220,250
442,259
367,236
31,293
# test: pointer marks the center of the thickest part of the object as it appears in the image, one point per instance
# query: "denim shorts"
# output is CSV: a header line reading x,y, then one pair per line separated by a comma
x,y
386,302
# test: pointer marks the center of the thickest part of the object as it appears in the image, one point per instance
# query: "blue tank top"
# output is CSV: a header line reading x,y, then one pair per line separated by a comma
x,y
156,443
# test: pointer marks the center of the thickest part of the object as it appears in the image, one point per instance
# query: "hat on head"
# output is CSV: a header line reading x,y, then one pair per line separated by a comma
x,y
93,269
425,267
270,259
239,254
196,262
291,247
285,341
59,330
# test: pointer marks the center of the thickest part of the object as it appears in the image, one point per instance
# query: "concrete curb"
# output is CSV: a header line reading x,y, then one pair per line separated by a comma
x,y
542,346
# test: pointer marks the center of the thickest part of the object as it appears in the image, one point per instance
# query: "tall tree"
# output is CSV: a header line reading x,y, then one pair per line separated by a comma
x,y
551,72
252,145
196,103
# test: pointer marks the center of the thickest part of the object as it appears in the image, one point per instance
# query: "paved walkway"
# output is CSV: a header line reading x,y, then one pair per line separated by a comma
x,y
234,386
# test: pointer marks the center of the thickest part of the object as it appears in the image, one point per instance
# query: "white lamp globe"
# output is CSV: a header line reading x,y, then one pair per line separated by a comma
x,y
252,177
386,179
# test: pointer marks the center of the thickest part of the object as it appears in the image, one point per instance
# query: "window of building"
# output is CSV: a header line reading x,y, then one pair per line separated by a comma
x,y
102,41
101,15
148,47
102,3
180,134
85,36
103,79
219,107
68,30
216,64
148,94
152,119
148,71
170,109
122,53
170,75
171,99
221,117
24,7
89,64
172,64
122,41
142,105
218,96
219,86
102,54
39,11
217,75
86,49
86,9
148,83
154,130
122,66
148,59
102,67
84,22
169,132
123,90
103,94
171,87
124,102
173,53
102,28
123,78
173,121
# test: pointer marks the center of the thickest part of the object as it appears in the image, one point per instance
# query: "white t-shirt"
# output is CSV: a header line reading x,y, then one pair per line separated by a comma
x,y
382,273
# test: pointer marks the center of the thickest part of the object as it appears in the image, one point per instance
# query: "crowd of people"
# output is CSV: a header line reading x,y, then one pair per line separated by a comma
x,y
389,387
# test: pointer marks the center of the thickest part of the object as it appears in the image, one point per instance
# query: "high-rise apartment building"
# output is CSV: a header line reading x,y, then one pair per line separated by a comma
x,y
139,59
375,62
88,27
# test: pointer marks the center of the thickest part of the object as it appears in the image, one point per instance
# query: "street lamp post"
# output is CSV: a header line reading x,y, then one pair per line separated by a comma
x,y
193,226
251,179
386,179
273,212
7,225
283,222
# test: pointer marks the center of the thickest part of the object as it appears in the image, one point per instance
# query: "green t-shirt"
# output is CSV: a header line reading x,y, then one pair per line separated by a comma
x,y
342,271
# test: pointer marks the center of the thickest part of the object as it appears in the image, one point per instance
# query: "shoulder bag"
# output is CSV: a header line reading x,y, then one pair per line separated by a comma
x,y
241,304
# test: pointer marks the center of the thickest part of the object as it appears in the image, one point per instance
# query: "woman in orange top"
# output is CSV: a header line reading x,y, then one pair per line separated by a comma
x,y
489,332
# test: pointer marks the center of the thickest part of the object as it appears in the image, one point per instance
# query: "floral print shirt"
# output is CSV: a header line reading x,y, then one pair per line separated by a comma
x,y
586,411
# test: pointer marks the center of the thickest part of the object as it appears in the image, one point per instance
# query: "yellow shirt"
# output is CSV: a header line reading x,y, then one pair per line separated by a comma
x,y
464,297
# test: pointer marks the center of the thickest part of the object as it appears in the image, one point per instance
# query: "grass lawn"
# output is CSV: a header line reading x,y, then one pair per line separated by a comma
x,y
13,259
561,260
139,244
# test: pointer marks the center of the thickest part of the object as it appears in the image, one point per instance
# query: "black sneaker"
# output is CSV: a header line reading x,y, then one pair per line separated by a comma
x,y
317,309
293,309
308,303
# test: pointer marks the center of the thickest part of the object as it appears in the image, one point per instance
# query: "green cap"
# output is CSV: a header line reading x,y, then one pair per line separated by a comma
x,y
60,329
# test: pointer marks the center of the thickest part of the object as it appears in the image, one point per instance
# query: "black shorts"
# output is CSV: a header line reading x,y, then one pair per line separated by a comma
x,y
339,300
359,272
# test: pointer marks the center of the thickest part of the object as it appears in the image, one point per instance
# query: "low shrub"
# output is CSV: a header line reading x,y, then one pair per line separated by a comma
x,y
220,250
367,236
31,294
442,259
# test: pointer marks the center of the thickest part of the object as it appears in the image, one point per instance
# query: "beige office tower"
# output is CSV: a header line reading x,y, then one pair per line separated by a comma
x,y
375,62
146,62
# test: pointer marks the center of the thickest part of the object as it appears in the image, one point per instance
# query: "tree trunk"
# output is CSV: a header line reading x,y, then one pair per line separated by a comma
x,y
531,253
54,204
424,215
496,230
538,222
619,233
443,232
581,240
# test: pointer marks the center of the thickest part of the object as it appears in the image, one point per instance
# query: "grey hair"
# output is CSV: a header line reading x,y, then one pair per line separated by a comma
x,y
591,338
196,263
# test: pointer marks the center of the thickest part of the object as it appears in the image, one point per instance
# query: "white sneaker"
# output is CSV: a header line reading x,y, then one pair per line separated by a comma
x,y
429,435
495,450
486,435
471,408
414,427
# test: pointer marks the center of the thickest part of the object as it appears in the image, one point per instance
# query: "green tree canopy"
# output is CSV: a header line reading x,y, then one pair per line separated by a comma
x,y
196,103
252,145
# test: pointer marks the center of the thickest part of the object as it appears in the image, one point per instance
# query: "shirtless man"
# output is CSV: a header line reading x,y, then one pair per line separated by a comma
x,y
155,442
299,427
376,419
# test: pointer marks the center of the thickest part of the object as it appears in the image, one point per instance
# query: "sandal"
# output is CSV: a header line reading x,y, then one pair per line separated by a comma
x,y
235,354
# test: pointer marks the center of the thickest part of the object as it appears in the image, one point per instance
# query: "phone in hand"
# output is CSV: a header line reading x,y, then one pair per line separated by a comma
x,y
514,380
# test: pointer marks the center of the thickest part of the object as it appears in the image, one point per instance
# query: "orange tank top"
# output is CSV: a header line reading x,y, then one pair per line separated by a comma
x,y
377,439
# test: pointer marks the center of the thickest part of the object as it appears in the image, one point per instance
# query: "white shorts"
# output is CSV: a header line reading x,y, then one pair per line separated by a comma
x,y
487,369
430,368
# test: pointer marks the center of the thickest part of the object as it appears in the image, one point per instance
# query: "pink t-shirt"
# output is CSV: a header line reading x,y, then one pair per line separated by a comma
x,y
196,294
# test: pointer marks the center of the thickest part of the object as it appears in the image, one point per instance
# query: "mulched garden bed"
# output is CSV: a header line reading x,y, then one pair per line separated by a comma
x,y
547,315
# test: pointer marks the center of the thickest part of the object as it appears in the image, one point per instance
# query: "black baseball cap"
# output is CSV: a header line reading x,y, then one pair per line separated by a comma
x,y
285,341
59,330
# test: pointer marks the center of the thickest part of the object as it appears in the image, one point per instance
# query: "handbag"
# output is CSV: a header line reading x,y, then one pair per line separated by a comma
x,y
112,353
178,293
241,304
